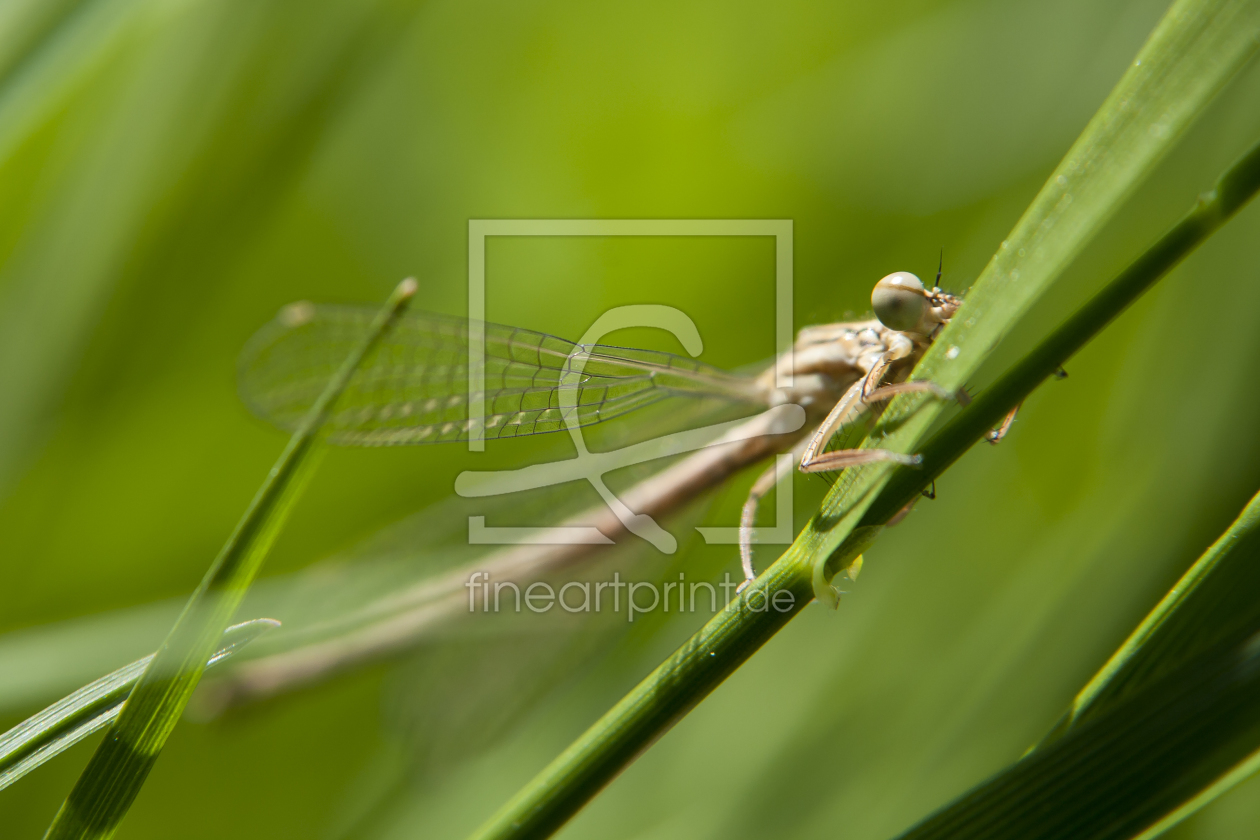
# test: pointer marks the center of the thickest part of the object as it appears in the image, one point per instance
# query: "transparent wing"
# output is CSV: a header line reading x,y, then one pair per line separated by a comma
x,y
406,588
414,388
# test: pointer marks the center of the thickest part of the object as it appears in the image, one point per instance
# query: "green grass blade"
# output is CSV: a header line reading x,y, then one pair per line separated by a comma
x,y
1214,598
1198,46
116,772
39,664
1195,50
1232,191
48,56
1212,607
93,707
1170,722
1119,774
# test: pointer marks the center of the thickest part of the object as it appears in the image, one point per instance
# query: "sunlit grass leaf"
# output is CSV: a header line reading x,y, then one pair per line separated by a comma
x,y
1211,612
1171,722
1196,49
65,723
115,774
1232,191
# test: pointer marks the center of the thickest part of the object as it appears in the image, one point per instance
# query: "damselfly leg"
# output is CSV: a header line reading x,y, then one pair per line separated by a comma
x,y
810,454
996,435
768,479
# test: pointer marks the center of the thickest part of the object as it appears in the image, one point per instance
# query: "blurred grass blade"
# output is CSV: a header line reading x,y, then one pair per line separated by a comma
x,y
1218,598
50,54
1197,47
137,136
93,707
1170,723
1214,603
117,771
24,26
1120,773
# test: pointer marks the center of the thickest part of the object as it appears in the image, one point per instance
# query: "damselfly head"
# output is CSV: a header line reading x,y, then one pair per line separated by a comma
x,y
900,302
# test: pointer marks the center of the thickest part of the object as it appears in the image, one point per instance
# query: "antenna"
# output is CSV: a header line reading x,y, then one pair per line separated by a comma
x,y
940,267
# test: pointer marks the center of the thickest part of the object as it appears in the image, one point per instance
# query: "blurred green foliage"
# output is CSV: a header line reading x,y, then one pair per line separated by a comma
x,y
172,171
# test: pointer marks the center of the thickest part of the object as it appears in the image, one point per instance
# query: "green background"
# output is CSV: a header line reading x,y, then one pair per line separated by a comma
x,y
173,171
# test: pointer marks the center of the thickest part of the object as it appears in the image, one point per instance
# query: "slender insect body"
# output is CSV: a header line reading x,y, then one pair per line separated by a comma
x,y
416,390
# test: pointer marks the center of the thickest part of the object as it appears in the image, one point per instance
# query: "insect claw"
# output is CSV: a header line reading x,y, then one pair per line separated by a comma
x,y
995,435
1060,373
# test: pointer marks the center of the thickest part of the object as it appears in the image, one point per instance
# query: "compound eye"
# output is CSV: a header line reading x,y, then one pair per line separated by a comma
x,y
900,301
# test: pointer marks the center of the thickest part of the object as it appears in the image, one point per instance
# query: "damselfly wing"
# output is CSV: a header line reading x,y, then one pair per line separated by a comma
x,y
414,389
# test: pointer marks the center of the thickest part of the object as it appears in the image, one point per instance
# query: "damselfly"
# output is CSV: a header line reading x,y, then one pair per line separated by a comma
x,y
416,389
